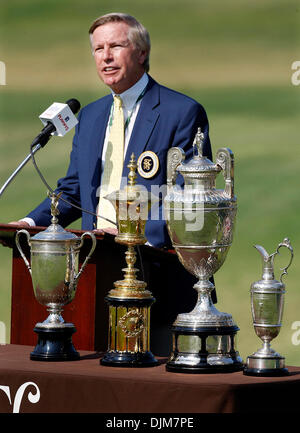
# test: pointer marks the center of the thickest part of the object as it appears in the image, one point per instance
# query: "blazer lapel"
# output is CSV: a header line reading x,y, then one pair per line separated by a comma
x,y
144,124
97,141
97,136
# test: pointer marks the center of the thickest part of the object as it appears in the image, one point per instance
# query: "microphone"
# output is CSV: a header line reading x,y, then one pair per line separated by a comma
x,y
58,120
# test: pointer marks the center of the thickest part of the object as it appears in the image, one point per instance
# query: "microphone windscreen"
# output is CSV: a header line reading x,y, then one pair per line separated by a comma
x,y
74,104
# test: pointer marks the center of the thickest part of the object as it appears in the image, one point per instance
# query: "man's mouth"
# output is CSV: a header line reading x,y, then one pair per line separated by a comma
x,y
110,69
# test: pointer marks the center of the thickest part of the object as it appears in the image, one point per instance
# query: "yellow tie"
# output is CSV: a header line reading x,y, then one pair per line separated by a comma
x,y
113,167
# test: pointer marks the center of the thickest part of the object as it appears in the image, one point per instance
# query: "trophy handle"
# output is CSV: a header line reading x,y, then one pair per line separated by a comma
x,y
285,243
175,157
225,159
20,249
94,242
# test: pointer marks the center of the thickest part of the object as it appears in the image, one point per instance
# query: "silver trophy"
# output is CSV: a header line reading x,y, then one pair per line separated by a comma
x,y
54,272
267,301
200,221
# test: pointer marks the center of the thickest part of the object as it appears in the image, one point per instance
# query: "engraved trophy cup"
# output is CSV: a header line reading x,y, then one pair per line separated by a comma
x,y
54,273
130,301
267,301
200,221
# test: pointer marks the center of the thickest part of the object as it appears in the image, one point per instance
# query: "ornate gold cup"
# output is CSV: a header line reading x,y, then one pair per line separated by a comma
x,y
130,301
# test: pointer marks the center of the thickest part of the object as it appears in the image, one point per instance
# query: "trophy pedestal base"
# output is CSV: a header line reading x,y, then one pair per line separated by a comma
x,y
266,372
54,344
129,332
268,366
117,359
204,350
203,368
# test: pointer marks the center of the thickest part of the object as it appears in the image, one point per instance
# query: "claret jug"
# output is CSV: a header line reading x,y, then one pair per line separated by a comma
x,y
267,302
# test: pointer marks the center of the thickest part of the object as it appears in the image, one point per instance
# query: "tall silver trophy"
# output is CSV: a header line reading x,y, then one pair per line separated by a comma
x,y
54,272
267,301
200,221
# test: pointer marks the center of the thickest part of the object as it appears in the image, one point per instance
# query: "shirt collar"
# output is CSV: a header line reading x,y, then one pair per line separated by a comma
x,y
130,96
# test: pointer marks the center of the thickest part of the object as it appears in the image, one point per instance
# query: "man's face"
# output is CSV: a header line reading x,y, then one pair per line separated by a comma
x,y
119,63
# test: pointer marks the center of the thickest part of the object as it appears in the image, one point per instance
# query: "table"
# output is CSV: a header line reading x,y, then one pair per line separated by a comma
x,y
84,386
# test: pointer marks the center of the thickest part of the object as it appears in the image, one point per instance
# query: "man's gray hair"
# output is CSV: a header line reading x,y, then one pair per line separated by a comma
x,y
138,34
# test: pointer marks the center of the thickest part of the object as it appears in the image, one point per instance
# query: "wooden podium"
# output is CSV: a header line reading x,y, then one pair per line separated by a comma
x,y
166,278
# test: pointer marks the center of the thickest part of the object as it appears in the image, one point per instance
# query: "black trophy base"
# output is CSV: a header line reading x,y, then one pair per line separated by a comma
x,y
129,359
200,352
266,372
204,368
54,344
265,366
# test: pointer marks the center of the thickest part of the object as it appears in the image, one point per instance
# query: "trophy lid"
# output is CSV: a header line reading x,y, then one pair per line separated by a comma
x,y
199,163
54,232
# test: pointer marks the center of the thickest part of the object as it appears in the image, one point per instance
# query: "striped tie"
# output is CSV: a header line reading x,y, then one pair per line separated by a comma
x,y
114,159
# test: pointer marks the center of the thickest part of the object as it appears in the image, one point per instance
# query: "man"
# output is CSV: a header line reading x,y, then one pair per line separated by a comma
x,y
156,118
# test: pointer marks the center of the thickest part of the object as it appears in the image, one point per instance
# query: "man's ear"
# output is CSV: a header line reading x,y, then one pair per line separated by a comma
x,y
142,56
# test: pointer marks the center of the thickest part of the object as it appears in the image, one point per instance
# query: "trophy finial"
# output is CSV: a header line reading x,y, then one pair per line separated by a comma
x,y
54,205
132,170
198,142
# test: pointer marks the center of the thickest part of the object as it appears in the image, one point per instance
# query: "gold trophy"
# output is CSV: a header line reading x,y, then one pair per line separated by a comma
x,y
129,301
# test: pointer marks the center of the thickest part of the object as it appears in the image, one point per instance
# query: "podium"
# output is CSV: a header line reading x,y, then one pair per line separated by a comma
x,y
160,269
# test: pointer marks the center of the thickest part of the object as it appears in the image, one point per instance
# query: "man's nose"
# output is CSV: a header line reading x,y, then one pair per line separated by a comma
x,y
107,53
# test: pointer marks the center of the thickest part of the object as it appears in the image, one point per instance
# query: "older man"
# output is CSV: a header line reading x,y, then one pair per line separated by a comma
x,y
138,116
154,119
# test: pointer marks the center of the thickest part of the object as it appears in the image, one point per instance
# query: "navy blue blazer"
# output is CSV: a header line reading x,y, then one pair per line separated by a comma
x,y
166,118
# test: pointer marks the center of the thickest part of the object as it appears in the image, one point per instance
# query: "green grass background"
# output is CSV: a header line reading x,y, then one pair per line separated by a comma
x,y
233,56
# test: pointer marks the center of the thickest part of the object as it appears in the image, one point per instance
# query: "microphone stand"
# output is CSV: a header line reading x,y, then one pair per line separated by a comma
x,y
40,141
19,168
